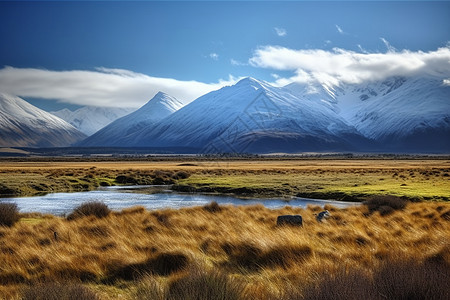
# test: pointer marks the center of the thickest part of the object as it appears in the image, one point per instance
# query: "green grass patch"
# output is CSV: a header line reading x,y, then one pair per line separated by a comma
x,y
351,184
31,221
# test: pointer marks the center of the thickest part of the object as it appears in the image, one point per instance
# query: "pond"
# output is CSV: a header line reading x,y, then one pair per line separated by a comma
x,y
151,197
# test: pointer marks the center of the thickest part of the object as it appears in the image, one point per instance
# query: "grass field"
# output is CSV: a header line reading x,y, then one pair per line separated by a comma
x,y
391,249
227,252
350,179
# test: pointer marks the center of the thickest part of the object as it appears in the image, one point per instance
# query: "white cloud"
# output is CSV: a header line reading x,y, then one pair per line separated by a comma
x,y
339,65
339,29
102,87
280,31
235,62
388,46
446,82
214,56
362,49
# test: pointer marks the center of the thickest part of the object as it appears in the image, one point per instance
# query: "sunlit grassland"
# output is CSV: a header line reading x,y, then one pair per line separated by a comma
x,y
136,253
350,179
343,184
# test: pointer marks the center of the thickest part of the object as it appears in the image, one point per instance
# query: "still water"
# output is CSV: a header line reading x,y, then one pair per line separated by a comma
x,y
119,197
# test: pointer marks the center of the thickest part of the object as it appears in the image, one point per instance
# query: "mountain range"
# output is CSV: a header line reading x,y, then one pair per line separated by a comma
x,y
251,116
398,114
24,125
90,119
158,108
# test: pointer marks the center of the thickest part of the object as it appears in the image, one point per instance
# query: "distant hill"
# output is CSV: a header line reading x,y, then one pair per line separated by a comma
x,y
156,109
24,125
90,119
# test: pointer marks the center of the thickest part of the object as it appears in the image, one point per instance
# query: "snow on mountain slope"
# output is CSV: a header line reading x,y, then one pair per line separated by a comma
x,y
24,125
402,114
90,119
158,108
414,115
250,116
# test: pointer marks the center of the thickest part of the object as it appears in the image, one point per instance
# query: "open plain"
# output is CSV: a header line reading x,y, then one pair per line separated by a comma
x,y
389,247
339,179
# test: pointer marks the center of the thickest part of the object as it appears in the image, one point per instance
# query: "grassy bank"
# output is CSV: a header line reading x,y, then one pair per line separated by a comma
x,y
236,252
351,179
347,184
24,181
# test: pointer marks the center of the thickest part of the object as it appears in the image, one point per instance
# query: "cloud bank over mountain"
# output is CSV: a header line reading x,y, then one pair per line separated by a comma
x,y
103,87
345,66
123,88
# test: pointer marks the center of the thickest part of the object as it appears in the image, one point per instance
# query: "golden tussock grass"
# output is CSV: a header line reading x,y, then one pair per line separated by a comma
x,y
238,251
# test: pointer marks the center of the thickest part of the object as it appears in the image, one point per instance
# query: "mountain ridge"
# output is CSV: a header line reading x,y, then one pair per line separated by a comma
x,y
397,114
24,125
224,119
90,119
157,108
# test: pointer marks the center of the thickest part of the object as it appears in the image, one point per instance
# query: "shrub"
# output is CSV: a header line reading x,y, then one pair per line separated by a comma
x,y
284,256
149,289
212,207
201,285
163,264
163,178
94,208
96,230
342,284
385,204
395,279
58,291
244,255
7,191
181,175
409,279
123,179
252,258
9,214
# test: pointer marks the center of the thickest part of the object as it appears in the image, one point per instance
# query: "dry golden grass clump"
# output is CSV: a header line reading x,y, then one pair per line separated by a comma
x,y
58,291
228,252
9,214
93,208
385,205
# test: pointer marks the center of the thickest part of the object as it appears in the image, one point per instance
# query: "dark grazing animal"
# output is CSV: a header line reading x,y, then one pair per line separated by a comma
x,y
290,220
323,215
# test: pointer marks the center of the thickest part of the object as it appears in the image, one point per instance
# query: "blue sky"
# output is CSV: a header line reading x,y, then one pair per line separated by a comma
x,y
133,49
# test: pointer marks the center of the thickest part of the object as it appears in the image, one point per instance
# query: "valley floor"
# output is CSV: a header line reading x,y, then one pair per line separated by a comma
x,y
387,248
344,179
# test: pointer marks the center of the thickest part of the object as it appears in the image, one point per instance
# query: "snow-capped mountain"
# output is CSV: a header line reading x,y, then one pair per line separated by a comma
x,y
24,125
114,134
412,113
400,114
90,119
250,116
